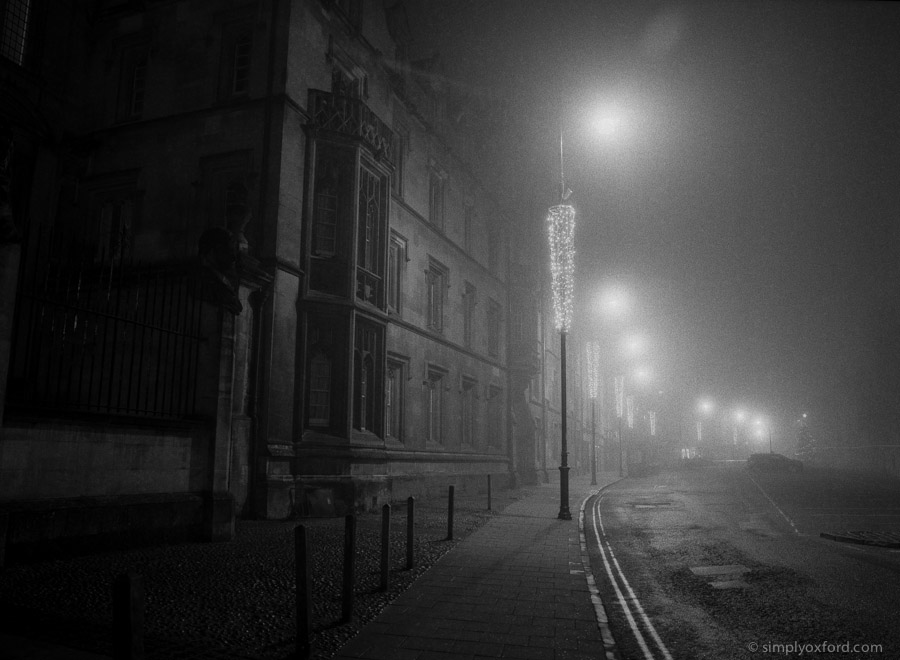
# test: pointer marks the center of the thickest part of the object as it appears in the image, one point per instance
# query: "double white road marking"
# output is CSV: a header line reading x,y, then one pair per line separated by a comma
x,y
631,606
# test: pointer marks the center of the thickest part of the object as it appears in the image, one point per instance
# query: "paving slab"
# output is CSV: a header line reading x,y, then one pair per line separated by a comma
x,y
515,588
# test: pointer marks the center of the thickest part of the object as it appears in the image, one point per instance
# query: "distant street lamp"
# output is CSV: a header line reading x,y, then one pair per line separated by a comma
x,y
620,409
593,369
561,226
705,407
739,417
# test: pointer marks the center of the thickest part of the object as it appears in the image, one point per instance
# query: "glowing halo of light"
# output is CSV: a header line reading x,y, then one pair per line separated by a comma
x,y
561,227
593,368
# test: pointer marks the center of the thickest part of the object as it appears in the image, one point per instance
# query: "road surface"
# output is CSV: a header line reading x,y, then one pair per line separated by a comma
x,y
718,563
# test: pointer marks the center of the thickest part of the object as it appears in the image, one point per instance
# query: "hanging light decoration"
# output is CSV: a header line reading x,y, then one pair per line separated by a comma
x,y
561,225
593,368
629,404
652,423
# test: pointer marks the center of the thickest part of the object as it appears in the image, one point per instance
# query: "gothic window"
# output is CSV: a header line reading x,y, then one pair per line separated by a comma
x,y
319,389
367,408
396,268
15,15
436,186
236,60
468,411
365,398
349,81
112,215
398,150
468,314
240,63
494,412
435,408
132,83
436,278
371,226
493,328
326,212
114,229
393,399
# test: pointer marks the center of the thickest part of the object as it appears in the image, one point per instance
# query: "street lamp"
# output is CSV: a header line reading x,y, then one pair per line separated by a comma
x,y
705,407
763,427
739,417
593,369
561,226
620,409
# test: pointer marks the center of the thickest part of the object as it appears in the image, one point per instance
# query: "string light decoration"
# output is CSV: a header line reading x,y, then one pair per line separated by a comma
x,y
652,423
629,404
561,226
620,394
593,368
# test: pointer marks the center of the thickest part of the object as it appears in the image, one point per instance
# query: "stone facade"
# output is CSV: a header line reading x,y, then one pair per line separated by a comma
x,y
247,269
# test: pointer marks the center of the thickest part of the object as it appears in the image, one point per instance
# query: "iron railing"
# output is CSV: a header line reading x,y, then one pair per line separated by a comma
x,y
115,337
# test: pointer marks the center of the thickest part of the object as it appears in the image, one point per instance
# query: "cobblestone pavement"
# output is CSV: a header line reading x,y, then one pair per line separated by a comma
x,y
232,600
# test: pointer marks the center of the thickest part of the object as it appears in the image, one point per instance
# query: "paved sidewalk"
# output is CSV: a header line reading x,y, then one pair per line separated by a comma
x,y
516,588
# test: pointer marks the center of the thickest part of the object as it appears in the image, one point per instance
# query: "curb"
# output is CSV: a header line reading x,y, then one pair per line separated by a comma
x,y
879,539
609,642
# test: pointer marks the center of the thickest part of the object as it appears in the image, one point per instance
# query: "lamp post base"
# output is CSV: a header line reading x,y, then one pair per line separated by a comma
x,y
564,513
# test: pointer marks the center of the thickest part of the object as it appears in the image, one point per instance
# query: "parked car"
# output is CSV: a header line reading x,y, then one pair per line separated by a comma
x,y
773,463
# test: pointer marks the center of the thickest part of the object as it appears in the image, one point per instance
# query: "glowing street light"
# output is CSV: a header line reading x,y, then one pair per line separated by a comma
x,y
635,344
705,407
615,302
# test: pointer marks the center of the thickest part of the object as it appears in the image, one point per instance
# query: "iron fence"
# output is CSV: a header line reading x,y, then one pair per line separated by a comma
x,y
104,335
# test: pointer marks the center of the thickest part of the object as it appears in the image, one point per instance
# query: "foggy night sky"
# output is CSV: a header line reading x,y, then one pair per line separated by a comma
x,y
752,203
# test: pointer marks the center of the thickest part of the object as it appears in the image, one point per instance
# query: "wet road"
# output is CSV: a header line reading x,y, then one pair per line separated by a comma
x,y
718,563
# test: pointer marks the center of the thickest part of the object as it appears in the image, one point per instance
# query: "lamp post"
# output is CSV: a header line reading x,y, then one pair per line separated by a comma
x,y
739,416
620,407
593,368
561,226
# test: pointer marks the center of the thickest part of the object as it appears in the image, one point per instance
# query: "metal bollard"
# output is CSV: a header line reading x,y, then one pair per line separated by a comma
x,y
385,546
128,617
450,513
410,524
303,592
349,566
489,493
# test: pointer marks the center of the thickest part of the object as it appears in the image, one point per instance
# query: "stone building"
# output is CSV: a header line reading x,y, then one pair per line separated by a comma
x,y
248,269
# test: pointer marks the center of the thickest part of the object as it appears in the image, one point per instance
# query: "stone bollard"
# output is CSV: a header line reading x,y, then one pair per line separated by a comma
x,y
410,527
385,546
303,592
450,513
349,566
128,617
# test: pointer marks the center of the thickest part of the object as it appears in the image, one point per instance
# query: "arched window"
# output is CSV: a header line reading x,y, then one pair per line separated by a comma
x,y
319,389
364,417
